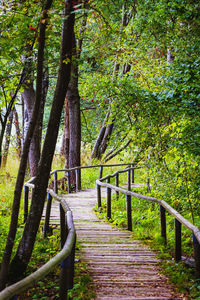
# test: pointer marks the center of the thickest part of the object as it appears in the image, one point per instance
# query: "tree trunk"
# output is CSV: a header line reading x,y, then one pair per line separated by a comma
x,y
26,244
29,100
72,105
74,121
23,162
18,133
7,141
3,128
66,134
103,138
34,151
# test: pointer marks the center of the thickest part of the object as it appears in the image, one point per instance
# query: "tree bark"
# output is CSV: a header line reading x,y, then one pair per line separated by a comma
x,y
74,121
34,150
103,138
18,133
23,162
72,106
66,134
22,257
7,141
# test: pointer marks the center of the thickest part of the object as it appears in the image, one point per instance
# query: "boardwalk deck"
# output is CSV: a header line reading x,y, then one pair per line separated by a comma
x,y
121,268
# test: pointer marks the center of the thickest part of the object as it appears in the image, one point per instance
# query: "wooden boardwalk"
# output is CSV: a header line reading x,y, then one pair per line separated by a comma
x,y
121,268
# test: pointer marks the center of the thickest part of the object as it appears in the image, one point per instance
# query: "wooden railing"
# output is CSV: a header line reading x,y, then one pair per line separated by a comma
x,y
179,219
65,257
68,236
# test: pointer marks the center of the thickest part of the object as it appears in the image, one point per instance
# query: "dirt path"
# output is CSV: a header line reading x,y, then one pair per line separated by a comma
x,y
121,268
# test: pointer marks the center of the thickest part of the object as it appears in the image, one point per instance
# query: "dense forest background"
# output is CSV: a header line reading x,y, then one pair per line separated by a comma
x,y
133,94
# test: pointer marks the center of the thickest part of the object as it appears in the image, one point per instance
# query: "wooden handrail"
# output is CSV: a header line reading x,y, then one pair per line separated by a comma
x,y
89,167
27,282
30,280
164,206
171,210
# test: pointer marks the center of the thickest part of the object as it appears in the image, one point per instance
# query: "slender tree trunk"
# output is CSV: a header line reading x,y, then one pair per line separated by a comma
x,y
18,133
66,134
23,162
29,100
34,150
7,140
3,128
74,121
72,105
103,138
26,244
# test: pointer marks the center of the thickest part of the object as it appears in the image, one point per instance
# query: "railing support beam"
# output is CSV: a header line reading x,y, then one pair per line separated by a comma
x,y
133,173
26,194
108,200
101,172
129,213
196,246
78,180
129,179
98,195
68,182
117,184
46,228
56,182
177,240
163,223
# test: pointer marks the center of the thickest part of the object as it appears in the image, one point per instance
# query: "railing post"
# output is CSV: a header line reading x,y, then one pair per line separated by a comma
x,y
129,179
163,223
148,184
177,240
108,200
64,271
79,179
117,184
68,182
55,183
196,246
98,195
133,173
26,194
46,228
129,213
71,267
101,172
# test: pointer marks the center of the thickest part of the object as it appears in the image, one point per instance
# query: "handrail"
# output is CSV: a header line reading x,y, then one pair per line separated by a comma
x,y
171,210
27,282
164,206
66,251
90,167
120,172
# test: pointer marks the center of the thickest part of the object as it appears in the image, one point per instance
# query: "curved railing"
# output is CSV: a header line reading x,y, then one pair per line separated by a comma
x,y
66,254
179,219
68,235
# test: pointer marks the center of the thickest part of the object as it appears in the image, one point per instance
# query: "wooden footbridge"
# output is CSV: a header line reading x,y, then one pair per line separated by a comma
x,y
120,267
